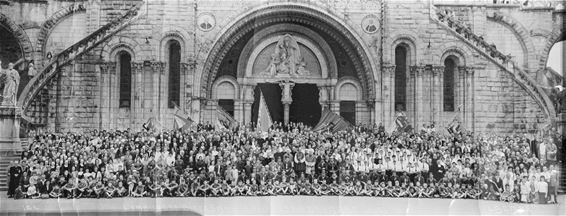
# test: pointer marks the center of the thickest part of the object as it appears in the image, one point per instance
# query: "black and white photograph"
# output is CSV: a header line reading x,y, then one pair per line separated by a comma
x,y
282,107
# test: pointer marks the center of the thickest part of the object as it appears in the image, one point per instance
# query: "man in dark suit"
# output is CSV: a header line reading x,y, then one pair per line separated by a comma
x,y
14,175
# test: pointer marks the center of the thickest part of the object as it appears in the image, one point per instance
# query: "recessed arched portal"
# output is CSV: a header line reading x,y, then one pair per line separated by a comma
x,y
324,50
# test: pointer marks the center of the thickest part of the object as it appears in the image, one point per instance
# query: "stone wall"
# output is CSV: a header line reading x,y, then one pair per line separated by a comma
x,y
85,94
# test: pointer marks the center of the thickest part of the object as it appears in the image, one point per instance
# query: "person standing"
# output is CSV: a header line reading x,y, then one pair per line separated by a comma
x,y
542,189
14,173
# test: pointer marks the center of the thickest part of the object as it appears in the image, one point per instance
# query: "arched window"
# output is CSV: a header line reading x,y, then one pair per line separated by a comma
x,y
400,78
125,66
174,73
348,93
225,94
449,70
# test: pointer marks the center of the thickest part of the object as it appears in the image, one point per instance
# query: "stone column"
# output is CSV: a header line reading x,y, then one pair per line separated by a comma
x,y
371,106
107,69
334,103
286,99
248,99
323,97
137,86
463,94
388,99
158,70
438,88
470,98
421,108
412,107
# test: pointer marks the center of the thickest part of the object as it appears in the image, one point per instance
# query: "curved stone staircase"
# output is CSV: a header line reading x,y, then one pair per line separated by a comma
x,y
504,62
73,52
492,54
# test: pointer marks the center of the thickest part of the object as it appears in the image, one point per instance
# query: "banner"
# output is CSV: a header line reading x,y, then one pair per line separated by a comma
x,y
264,121
332,122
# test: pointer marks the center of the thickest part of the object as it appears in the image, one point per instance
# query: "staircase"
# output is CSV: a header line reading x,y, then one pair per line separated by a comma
x,y
5,164
65,57
492,54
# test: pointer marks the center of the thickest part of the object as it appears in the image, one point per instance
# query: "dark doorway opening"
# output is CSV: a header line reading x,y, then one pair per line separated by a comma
x,y
305,107
272,95
348,111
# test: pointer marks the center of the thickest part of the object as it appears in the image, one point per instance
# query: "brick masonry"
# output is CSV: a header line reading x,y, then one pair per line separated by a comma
x,y
85,94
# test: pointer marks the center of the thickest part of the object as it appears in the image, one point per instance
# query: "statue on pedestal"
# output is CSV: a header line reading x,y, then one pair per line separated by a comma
x,y
11,82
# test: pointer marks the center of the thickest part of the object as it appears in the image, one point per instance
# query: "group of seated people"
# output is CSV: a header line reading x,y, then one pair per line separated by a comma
x,y
286,160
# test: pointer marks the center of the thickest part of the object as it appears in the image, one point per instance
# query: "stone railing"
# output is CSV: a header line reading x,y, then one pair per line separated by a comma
x,y
74,51
444,19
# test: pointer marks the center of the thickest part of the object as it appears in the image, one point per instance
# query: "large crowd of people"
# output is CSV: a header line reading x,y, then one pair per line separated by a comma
x,y
287,160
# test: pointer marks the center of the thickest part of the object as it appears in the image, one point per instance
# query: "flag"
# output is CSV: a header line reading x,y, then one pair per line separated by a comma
x,y
152,124
402,124
264,121
181,119
454,126
223,119
332,122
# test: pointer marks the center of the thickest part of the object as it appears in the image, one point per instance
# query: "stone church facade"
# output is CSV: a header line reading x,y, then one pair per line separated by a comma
x,y
115,64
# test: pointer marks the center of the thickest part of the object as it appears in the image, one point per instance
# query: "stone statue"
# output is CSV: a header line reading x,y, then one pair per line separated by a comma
x,y
10,86
286,59
31,70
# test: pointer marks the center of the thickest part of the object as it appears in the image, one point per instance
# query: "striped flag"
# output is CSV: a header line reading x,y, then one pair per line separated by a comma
x,y
181,121
264,121
223,119
402,124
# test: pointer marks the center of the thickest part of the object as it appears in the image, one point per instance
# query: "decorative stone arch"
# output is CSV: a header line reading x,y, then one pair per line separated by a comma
x,y
557,34
48,26
348,80
315,43
20,35
226,79
108,50
408,42
112,55
454,51
302,13
522,34
454,48
164,42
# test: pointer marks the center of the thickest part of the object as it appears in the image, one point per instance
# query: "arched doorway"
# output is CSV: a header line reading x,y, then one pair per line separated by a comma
x,y
328,51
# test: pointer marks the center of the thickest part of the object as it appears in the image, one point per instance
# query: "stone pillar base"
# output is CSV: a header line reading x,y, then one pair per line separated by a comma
x,y
9,130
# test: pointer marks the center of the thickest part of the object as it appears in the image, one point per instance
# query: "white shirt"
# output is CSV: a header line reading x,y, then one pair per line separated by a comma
x,y
541,187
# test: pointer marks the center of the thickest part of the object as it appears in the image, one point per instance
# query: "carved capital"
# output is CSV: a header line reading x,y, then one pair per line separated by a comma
x,y
158,67
388,69
137,67
437,70
108,68
188,67
417,70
